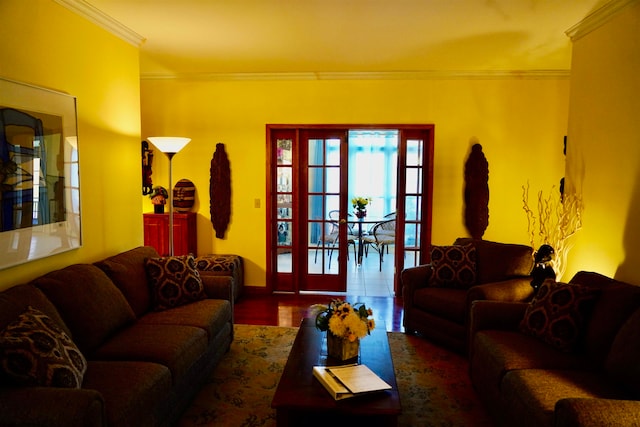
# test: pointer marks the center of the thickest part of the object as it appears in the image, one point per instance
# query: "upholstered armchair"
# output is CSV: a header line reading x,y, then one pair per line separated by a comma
x,y
438,296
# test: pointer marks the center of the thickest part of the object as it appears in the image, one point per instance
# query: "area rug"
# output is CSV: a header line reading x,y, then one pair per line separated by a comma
x,y
433,383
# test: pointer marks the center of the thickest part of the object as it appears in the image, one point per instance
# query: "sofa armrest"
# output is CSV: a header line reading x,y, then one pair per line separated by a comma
x,y
217,287
586,412
499,315
51,406
515,290
414,278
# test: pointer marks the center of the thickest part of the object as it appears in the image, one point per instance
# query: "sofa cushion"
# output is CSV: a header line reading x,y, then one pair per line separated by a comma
x,y
134,392
174,281
90,304
532,393
174,346
514,260
35,351
559,313
622,363
209,315
453,266
498,352
127,271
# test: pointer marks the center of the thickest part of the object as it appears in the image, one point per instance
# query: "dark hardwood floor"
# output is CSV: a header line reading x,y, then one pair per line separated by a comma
x,y
289,309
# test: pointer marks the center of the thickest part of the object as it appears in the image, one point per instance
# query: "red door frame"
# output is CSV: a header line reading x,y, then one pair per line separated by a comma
x,y
287,282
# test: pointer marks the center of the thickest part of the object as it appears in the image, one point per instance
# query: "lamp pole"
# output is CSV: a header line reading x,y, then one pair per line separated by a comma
x,y
170,145
170,156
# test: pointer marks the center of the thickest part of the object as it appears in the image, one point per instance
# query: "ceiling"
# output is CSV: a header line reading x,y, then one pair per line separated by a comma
x,y
185,37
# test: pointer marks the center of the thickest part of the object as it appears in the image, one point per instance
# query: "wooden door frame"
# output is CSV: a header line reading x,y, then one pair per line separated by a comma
x,y
427,192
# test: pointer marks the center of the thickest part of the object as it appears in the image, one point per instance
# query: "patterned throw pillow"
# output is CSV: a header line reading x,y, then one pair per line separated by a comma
x,y
559,313
453,266
174,281
35,351
217,262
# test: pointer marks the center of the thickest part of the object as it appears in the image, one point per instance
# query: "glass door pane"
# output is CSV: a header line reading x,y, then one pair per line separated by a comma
x,y
324,233
414,175
284,205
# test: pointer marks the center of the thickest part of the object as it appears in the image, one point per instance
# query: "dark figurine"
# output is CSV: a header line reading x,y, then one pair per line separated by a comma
x,y
542,268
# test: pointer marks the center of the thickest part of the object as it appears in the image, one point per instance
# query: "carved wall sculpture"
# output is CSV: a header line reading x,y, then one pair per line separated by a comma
x,y
476,192
147,160
220,191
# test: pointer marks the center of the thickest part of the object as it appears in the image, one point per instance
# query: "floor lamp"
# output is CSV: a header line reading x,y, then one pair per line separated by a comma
x,y
169,145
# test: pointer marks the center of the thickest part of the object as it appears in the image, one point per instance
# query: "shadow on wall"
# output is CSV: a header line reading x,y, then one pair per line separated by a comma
x,y
628,270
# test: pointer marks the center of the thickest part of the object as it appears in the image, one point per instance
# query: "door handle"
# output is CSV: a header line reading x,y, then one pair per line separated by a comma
x,y
343,221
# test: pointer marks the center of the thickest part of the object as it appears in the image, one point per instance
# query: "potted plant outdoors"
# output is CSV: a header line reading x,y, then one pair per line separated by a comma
x,y
158,196
345,325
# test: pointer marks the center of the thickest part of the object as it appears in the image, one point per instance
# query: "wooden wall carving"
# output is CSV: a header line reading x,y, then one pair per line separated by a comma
x,y
220,191
476,192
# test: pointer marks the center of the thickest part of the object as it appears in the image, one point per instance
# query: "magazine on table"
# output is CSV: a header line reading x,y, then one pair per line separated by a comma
x,y
343,382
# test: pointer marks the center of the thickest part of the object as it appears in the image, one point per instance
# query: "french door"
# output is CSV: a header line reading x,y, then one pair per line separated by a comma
x,y
307,204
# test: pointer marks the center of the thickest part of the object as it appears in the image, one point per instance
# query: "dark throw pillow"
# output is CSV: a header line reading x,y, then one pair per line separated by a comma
x,y
35,351
174,281
559,313
453,266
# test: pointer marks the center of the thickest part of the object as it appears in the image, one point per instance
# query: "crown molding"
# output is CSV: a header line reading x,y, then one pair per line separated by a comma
x,y
597,18
383,75
95,15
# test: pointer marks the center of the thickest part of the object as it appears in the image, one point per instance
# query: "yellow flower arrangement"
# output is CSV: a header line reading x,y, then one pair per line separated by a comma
x,y
360,203
344,320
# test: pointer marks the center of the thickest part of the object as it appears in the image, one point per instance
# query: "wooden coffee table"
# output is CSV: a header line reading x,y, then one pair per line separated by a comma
x,y
300,399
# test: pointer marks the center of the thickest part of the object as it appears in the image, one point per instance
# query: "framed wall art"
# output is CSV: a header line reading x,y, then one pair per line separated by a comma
x,y
39,173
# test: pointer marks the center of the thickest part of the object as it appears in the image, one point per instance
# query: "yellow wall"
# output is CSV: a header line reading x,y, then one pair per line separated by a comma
x,y
603,161
47,45
519,122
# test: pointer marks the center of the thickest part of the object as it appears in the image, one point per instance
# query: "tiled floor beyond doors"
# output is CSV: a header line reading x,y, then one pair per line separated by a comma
x,y
367,279
362,280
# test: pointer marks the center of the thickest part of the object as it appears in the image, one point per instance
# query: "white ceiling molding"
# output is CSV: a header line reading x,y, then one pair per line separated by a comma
x,y
91,13
391,75
597,18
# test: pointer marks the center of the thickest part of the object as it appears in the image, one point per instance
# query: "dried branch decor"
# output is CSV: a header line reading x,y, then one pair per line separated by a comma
x,y
558,218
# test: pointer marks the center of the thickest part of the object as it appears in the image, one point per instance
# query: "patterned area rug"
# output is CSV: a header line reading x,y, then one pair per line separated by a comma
x,y
434,385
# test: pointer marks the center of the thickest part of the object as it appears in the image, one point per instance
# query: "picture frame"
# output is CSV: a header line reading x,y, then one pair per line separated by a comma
x,y
39,173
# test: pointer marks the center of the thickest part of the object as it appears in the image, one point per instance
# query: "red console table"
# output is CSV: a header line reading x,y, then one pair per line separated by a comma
x,y
156,233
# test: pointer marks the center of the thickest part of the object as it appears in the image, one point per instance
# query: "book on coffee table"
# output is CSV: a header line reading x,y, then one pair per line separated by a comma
x,y
343,382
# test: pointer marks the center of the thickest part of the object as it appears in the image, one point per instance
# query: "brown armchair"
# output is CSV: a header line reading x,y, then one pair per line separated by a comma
x,y
440,312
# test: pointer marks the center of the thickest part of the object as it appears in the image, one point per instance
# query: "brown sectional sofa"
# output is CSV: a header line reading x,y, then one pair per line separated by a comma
x,y
527,381
143,366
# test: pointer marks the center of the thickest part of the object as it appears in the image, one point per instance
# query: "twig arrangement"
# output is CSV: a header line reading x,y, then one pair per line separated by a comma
x,y
559,216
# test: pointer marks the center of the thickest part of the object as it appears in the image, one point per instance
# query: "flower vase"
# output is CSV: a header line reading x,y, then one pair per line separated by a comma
x,y
158,209
361,214
341,348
